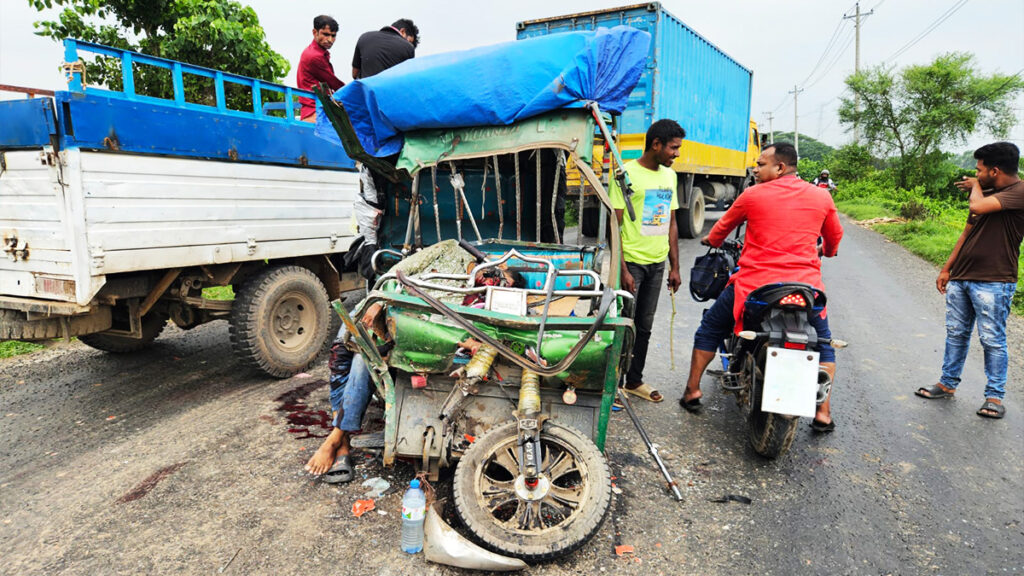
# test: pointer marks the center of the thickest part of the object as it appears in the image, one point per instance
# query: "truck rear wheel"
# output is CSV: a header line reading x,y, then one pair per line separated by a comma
x,y
15,326
152,325
280,321
691,219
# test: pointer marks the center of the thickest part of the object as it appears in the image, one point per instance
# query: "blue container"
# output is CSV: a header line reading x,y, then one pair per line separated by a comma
x,y
688,78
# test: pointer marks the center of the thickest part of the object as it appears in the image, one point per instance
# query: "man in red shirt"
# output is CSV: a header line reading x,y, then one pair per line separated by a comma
x,y
785,216
315,64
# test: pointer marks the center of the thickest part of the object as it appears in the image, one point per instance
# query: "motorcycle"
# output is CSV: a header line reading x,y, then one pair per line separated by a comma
x,y
771,366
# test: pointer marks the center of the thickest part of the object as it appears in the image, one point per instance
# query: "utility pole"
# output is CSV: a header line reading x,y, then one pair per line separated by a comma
x,y
796,130
771,129
856,62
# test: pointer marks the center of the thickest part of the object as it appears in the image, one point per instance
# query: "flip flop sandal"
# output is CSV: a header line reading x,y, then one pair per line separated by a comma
x,y
341,472
933,392
693,405
822,428
999,410
646,392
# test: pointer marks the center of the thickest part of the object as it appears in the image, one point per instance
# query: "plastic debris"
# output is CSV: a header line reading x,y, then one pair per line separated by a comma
x,y
444,545
624,549
376,487
361,507
302,375
616,489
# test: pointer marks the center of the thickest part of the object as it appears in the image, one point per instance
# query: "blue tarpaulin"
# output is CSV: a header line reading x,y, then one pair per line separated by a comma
x,y
492,85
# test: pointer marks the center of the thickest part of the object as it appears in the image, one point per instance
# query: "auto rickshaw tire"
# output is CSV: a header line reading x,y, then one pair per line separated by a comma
x,y
152,325
280,321
550,542
690,220
771,435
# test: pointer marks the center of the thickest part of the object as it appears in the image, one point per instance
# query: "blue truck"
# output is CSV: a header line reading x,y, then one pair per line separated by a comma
x,y
691,81
118,208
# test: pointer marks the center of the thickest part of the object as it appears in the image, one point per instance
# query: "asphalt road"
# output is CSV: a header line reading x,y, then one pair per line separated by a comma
x,y
175,461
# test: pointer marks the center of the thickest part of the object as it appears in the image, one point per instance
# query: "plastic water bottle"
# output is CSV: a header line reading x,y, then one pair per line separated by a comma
x,y
414,506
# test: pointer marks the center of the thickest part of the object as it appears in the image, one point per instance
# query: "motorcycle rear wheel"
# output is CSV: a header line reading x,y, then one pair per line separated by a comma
x,y
771,435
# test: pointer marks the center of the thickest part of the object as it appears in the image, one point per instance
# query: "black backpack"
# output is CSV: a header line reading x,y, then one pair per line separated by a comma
x,y
710,274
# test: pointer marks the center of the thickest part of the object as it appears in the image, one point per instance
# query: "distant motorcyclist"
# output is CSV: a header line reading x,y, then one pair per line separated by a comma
x,y
823,181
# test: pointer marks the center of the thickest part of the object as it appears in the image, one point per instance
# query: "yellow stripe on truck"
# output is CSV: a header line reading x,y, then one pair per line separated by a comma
x,y
694,158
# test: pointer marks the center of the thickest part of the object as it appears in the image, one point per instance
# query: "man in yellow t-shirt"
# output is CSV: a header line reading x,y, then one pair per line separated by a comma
x,y
649,239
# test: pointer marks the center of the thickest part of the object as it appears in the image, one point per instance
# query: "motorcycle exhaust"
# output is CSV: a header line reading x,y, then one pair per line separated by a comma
x,y
824,386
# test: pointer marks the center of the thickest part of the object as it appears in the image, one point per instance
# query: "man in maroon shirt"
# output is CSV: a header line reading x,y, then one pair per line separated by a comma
x,y
315,64
980,276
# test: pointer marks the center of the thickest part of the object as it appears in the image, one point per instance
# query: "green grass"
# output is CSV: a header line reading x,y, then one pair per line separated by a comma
x,y
864,209
219,293
16,348
932,238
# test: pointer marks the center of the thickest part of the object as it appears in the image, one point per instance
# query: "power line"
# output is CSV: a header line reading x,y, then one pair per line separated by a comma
x,y
831,43
835,60
938,21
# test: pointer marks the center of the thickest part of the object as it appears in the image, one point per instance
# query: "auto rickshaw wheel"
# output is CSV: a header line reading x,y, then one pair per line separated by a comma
x,y
557,516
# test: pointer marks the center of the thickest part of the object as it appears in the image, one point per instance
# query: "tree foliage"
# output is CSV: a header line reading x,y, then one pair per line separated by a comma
x,y
218,34
912,113
810,148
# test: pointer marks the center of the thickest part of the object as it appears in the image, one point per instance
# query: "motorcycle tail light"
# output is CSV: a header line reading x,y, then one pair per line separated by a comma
x,y
795,345
794,299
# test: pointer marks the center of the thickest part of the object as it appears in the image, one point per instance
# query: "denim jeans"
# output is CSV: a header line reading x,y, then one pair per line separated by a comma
x,y
351,387
648,281
718,321
988,303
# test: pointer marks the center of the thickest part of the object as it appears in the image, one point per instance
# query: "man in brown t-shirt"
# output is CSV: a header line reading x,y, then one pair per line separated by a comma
x,y
980,277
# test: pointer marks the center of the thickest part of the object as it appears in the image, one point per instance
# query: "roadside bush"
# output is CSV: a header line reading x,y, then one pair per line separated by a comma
x,y
914,210
852,163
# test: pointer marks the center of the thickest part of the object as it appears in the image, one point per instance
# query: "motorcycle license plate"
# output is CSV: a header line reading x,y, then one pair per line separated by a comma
x,y
790,382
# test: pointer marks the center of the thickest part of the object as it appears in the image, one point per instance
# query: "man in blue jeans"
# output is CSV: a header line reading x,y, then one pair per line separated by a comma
x,y
980,277
351,388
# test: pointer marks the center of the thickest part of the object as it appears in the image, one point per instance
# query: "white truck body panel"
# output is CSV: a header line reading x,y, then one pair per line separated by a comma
x,y
95,213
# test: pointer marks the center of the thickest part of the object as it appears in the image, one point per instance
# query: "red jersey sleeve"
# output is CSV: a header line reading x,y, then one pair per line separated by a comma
x,y
831,231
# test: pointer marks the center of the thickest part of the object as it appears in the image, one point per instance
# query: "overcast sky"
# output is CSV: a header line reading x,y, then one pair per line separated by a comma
x,y
780,41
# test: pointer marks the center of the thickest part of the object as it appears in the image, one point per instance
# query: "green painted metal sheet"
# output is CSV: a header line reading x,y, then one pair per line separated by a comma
x,y
565,129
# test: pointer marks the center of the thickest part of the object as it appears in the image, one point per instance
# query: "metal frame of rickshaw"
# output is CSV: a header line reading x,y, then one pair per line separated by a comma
x,y
620,326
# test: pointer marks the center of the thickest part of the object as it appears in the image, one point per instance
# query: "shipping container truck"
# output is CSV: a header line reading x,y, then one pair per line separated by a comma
x,y
118,208
691,81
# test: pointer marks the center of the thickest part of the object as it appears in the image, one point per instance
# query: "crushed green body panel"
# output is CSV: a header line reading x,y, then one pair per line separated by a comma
x,y
426,343
567,129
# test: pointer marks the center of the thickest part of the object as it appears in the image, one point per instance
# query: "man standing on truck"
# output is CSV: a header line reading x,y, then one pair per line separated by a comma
x,y
785,216
381,49
649,238
315,64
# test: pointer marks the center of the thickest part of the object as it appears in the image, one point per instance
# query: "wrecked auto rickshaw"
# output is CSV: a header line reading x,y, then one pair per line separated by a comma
x,y
511,381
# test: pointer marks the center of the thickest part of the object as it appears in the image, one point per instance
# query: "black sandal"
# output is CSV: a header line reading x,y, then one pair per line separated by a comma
x,y
999,410
341,472
933,392
692,406
822,428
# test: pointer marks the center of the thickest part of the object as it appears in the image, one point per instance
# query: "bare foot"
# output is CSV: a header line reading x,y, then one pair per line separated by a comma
x,y
324,457
691,395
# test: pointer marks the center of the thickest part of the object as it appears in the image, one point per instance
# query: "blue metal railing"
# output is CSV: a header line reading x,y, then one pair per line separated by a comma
x,y
178,70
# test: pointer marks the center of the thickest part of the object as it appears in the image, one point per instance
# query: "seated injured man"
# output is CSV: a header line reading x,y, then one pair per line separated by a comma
x,y
350,380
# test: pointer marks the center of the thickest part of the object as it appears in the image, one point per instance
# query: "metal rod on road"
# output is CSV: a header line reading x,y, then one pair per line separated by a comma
x,y
650,445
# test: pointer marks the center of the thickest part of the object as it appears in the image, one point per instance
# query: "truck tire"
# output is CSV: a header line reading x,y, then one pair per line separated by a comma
x,y
280,321
691,219
152,325
14,325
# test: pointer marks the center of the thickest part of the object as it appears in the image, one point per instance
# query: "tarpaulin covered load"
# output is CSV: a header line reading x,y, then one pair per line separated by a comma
x,y
492,86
